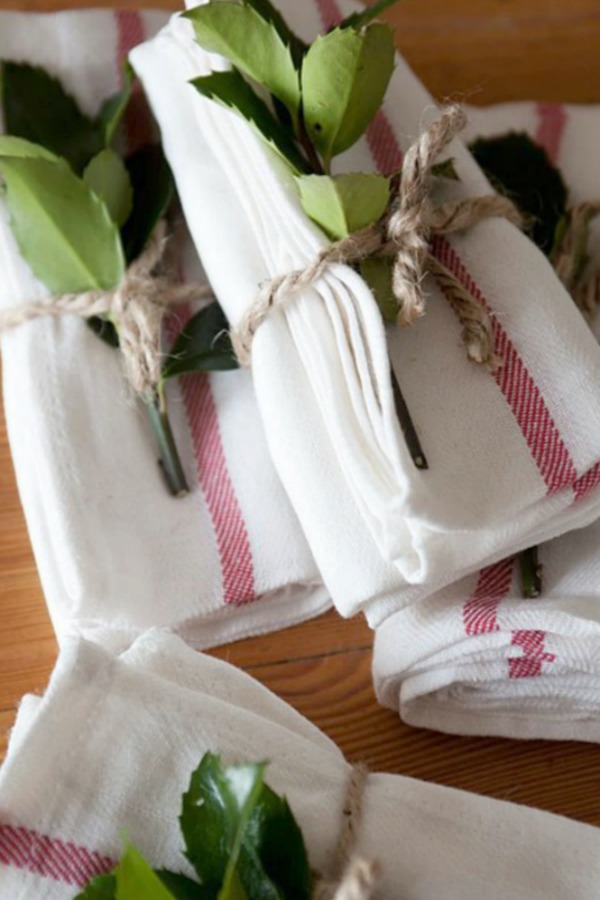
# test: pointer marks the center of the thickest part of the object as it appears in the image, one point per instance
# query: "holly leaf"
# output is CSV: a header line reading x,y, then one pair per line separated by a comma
x,y
204,345
378,275
344,79
63,230
270,14
153,192
360,19
521,170
37,108
232,91
113,109
182,887
252,44
136,879
102,888
108,178
342,204
214,816
278,843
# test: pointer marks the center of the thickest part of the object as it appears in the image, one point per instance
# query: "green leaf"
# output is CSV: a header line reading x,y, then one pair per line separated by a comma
x,y
113,109
378,275
252,44
344,79
215,813
360,19
278,842
182,887
342,204
521,170
269,13
104,329
37,108
232,91
102,888
204,345
136,879
63,230
108,178
153,192
23,149
446,169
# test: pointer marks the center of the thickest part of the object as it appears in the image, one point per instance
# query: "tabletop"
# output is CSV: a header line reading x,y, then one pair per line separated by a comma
x,y
483,51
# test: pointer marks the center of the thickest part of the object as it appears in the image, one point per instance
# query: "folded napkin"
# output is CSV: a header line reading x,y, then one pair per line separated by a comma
x,y
513,457
113,548
476,658
112,745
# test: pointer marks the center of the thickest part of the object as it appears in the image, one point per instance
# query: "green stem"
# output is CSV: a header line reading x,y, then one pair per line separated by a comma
x,y
531,573
169,458
407,425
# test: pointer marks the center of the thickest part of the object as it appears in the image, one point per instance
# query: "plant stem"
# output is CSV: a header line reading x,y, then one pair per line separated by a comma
x,y
407,425
169,458
531,573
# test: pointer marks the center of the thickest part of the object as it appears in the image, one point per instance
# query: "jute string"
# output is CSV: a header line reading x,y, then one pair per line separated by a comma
x,y
352,878
569,259
403,234
137,307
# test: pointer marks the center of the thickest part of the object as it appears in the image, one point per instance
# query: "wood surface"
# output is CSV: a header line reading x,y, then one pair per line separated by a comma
x,y
485,51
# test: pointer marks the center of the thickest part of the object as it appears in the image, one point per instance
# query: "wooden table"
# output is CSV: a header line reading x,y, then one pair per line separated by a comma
x,y
483,51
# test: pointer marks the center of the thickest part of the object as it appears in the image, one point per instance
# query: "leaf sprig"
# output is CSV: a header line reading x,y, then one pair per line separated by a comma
x,y
80,213
240,837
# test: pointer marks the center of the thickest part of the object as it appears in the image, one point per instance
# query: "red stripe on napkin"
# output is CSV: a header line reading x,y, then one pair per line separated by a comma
x,y
552,121
493,584
138,121
237,566
529,665
23,848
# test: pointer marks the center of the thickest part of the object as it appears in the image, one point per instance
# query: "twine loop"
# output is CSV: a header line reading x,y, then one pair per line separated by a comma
x,y
404,234
137,307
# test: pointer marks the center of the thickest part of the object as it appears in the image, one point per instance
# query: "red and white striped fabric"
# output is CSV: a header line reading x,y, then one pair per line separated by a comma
x,y
476,658
114,550
111,747
513,457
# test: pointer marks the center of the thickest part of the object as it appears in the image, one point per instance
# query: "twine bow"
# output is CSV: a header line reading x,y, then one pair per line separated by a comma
x,y
403,233
137,307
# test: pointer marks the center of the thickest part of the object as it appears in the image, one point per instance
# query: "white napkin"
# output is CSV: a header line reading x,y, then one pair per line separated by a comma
x,y
113,743
508,455
113,548
476,658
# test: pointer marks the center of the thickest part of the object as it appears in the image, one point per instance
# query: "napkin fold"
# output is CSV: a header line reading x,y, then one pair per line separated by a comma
x,y
477,658
114,740
116,553
513,457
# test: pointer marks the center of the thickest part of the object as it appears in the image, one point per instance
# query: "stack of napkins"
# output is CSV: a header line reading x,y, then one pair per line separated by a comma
x,y
476,658
113,743
116,553
510,454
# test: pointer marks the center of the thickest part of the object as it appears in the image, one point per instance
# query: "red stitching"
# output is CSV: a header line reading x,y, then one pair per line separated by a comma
x,y
26,849
530,664
552,121
493,584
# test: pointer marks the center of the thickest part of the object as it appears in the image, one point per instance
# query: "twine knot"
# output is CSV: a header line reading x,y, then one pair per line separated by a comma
x,y
404,233
137,307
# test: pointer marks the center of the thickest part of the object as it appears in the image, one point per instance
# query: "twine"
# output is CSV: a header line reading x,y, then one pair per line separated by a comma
x,y
570,256
137,307
403,233
353,878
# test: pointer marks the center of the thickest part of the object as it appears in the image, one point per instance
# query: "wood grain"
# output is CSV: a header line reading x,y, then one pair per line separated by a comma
x,y
486,51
